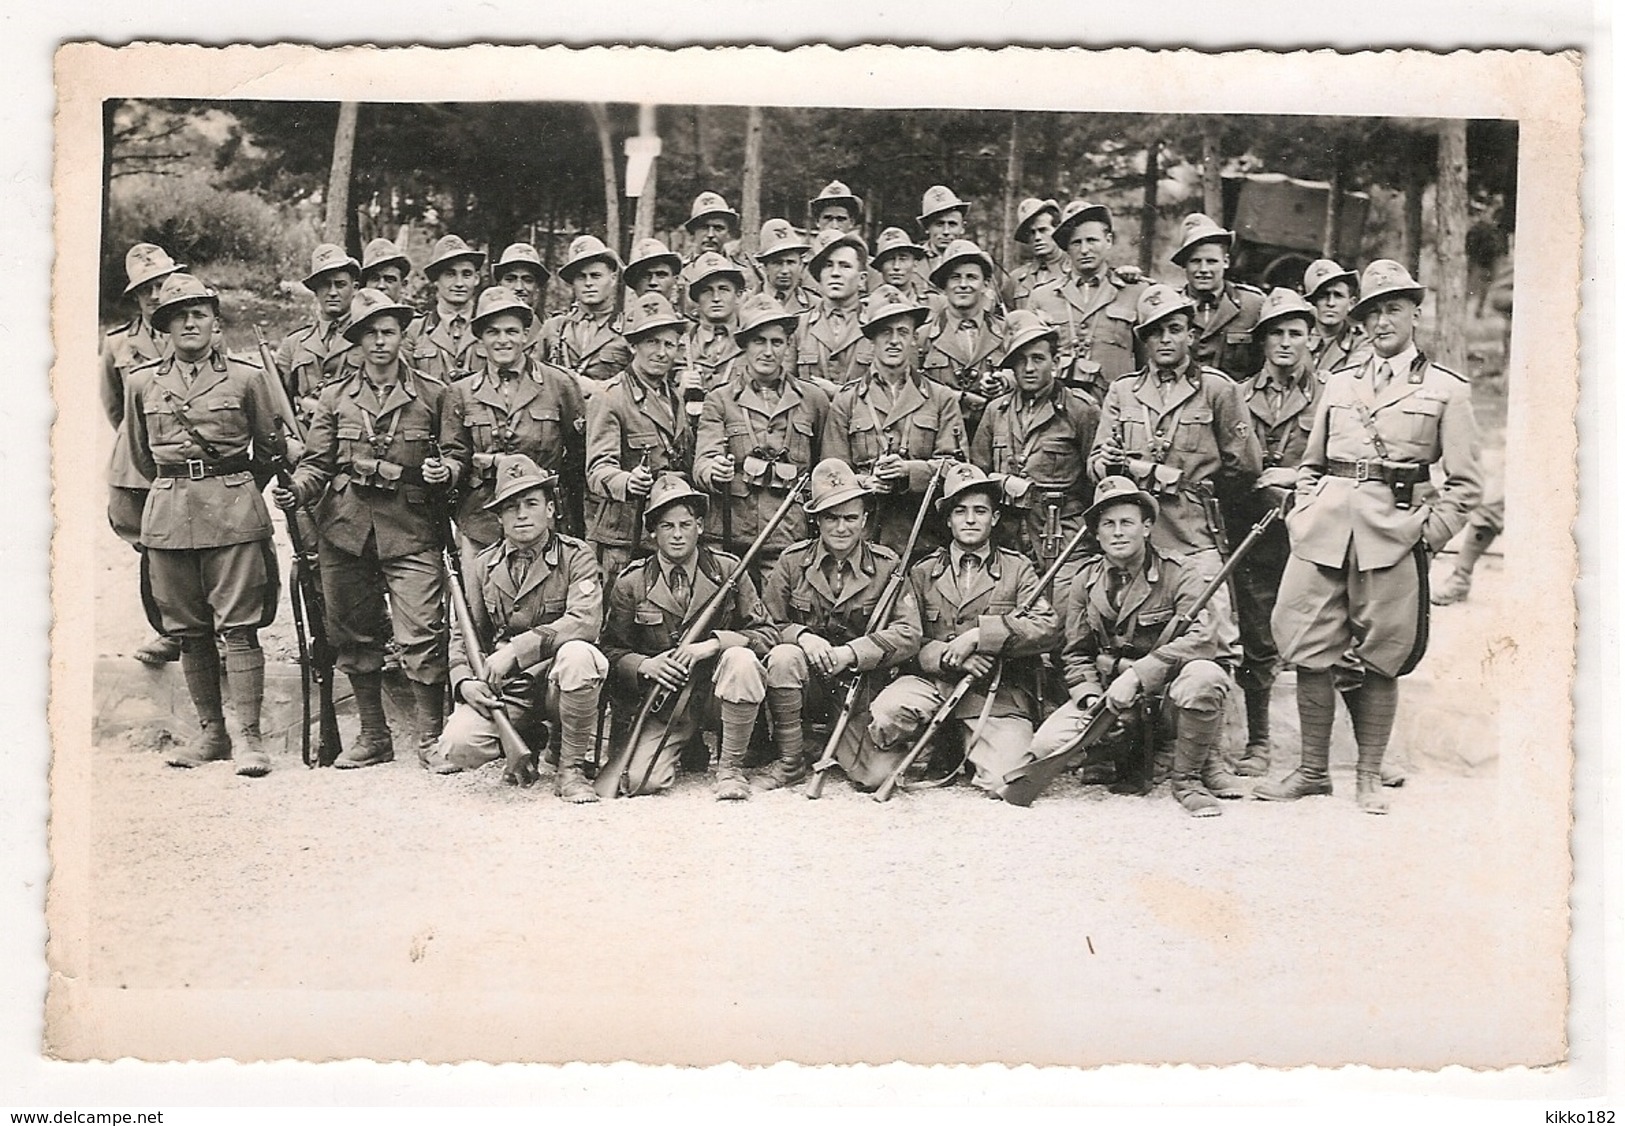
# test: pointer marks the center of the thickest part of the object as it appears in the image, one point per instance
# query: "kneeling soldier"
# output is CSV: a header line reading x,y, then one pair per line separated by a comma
x,y
1121,601
821,595
370,459
966,595
194,419
650,607
537,604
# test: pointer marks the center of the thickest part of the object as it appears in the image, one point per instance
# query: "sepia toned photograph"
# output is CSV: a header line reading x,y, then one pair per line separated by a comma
x,y
555,570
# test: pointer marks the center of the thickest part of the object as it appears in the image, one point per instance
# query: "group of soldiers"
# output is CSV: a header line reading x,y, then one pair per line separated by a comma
x,y
942,516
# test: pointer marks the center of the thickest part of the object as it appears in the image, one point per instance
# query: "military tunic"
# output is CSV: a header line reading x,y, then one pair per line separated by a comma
x,y
1224,329
1098,345
445,346
309,358
1021,282
1353,582
949,602
205,434
919,421
829,346
538,413
645,619
1348,348
960,353
124,349
591,348
773,441
630,422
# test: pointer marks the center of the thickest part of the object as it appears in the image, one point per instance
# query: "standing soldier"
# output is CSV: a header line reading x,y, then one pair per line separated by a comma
x,y
373,462
1120,604
966,595
898,262
202,430
654,268
516,405
892,423
1095,305
715,227
636,430
1225,311
835,208
782,254
821,595
134,344
831,348
586,340
520,270
385,268
650,607
1282,399
1047,263
758,433
1337,341
1487,522
1035,440
713,285
1352,610
313,354
537,603
961,340
446,337
942,220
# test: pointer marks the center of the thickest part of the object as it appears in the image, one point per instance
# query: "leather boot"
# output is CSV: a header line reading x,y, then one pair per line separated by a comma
x,y
1317,703
1218,779
1368,793
245,675
737,721
1372,707
790,767
373,746
429,710
200,661
1193,748
161,650
1255,761
578,712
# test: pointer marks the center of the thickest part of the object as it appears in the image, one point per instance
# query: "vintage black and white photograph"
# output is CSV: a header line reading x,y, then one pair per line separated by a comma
x,y
649,576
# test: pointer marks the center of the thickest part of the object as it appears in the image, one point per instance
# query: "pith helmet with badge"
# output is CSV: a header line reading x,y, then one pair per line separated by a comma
x,y
836,192
1197,230
709,204
1282,304
1021,328
1322,272
1386,278
145,262
1075,214
449,249
368,305
895,240
885,304
497,300
381,252
668,489
1158,303
517,474
645,255
650,312
329,257
827,243
585,249
1027,213
833,483
180,290
779,237
937,200
960,250
761,309
707,266
964,477
1119,490
521,254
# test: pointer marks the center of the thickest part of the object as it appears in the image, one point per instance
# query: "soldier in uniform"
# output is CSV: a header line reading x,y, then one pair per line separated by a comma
x,y
942,222
1047,262
1095,305
446,337
372,462
586,340
758,433
897,263
537,602
385,268
1337,341
1226,311
313,354
782,260
892,424
966,595
1121,602
1352,608
961,340
134,344
713,285
516,405
715,227
636,429
1181,431
821,595
1281,399
651,605
202,429
1035,440
835,208
1487,522
521,271
830,347
654,268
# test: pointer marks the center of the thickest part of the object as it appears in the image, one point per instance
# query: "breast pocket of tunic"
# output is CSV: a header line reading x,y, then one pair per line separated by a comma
x,y
1056,459
800,440
543,424
1421,424
1195,430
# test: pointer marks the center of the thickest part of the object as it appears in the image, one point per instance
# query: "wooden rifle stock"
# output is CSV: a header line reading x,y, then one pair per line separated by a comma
x,y
514,749
657,697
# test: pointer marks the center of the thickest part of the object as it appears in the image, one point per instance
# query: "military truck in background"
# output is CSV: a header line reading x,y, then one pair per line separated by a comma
x,y
1280,225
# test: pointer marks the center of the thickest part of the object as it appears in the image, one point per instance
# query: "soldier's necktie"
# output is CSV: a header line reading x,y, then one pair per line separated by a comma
x,y
677,583
967,337
967,566
1116,584
519,567
1384,374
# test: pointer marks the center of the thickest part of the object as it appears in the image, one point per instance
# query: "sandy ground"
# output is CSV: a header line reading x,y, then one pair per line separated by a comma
x,y
455,917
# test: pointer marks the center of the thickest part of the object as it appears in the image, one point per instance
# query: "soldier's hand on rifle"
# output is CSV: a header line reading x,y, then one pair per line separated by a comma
x,y
692,654
889,470
640,482
435,471
1123,691
961,648
1111,452
484,461
841,658
478,695
284,498
665,670
817,650
978,665
500,665
722,471
990,384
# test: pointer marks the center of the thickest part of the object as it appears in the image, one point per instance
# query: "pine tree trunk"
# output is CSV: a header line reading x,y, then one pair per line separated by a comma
x,y
1450,204
1212,184
1148,206
612,189
1415,188
1334,208
750,193
1013,174
337,225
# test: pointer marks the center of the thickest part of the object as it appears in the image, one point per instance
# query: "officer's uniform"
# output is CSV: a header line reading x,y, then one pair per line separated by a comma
x,y
645,619
630,422
1096,319
592,348
1224,329
131,345
810,591
952,595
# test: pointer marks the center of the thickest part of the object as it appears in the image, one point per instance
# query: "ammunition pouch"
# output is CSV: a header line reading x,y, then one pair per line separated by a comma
x,y
1154,477
384,476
